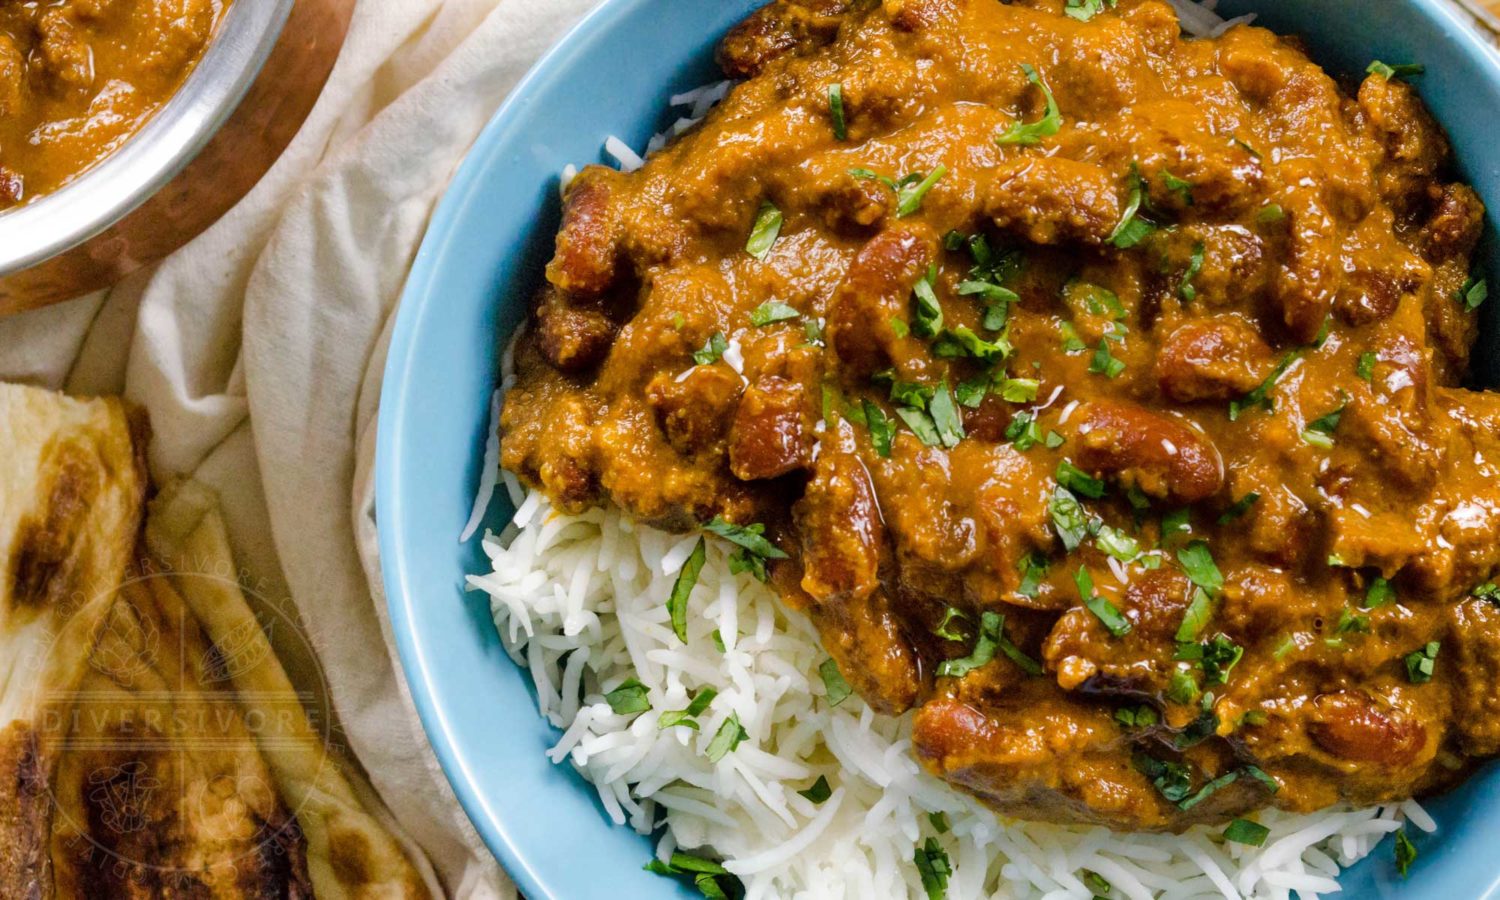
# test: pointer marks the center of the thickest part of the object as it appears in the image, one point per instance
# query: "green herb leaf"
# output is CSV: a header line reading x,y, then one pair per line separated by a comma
x,y
765,230
1270,214
682,588
1195,617
1016,654
833,682
1106,612
1195,265
1096,883
1133,227
1117,543
750,537
1420,664
1175,522
921,425
709,887
1238,508
1261,395
945,416
990,625
1170,779
1072,341
1179,186
867,175
933,868
1068,518
1208,790
1033,568
1198,562
909,195
1474,293
1400,69
772,311
1488,592
1364,369
819,792
1406,852
1077,480
688,716
1220,655
836,109
629,698
1137,716
945,630
1027,134
1351,622
1054,440
1023,432
881,430
1203,727
960,342
728,737
927,314
1328,423
1019,390
1182,687
1104,363
939,822
712,350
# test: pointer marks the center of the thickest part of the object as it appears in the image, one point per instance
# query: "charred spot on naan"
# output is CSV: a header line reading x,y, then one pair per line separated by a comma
x,y
43,557
25,810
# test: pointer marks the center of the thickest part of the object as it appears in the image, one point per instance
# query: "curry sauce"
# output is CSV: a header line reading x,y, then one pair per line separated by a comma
x,y
79,77
1100,387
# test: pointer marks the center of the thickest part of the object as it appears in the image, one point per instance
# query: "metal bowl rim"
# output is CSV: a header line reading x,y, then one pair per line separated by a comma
x,y
151,157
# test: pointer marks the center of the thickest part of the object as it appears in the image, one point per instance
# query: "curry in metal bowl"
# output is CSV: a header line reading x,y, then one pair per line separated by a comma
x,y
1096,392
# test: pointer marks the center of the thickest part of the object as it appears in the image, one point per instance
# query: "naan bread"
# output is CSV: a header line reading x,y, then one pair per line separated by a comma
x,y
150,743
71,489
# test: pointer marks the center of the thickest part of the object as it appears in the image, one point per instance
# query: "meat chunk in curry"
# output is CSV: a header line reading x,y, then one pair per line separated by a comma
x,y
1100,385
78,77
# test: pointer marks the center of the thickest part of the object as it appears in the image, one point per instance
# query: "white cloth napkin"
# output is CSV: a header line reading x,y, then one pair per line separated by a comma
x,y
258,350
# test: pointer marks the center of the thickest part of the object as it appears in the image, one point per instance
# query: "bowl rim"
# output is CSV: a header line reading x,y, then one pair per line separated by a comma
x,y
154,154
396,577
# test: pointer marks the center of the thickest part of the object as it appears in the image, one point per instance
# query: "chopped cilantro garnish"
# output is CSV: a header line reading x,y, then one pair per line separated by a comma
x,y
1023,432
1238,508
629,698
819,792
712,350
689,716
1195,265
1379,593
933,868
772,311
1033,569
1488,591
1195,617
867,175
1072,341
881,430
836,110
1364,369
1016,654
1261,395
1183,687
1104,363
1197,731
1171,779
1420,664
1026,134
1136,716
909,393
1132,227
989,291
1209,790
1083,10
1078,481
1097,883
1406,852
765,230
750,537
1179,186
682,588
971,392
1054,440
1175,522
1220,656
728,737
939,822
837,688
1068,517
990,625
1270,214
1387,71
945,630
927,315
1106,612
1117,543
1474,293
913,188
1350,622
1019,390
1198,562
921,425
1328,423
955,343
945,416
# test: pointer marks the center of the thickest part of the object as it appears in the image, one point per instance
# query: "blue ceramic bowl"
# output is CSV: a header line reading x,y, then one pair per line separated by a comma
x,y
478,266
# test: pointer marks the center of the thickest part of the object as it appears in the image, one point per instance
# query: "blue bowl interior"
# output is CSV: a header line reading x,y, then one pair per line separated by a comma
x,y
469,288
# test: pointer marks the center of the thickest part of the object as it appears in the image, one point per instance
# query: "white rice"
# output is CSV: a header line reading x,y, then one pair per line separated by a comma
x,y
579,602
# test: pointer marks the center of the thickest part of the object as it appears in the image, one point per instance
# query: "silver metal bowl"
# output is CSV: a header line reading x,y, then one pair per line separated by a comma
x,y
199,154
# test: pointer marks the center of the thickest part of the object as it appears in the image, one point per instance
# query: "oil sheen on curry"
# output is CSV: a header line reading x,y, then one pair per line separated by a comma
x,y
79,77
1097,390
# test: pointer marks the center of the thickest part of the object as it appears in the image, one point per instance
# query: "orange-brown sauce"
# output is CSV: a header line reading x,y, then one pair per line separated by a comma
x,y
79,77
